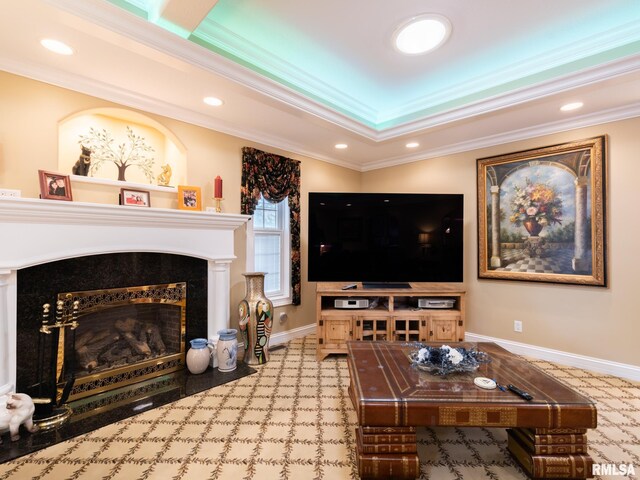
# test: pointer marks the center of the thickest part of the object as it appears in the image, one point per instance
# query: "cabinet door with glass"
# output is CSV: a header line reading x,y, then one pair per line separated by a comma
x,y
372,327
409,328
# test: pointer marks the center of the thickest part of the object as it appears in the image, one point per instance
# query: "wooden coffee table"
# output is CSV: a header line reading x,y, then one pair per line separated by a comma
x,y
546,435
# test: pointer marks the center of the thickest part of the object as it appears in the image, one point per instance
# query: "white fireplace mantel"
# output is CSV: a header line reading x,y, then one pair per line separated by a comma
x,y
34,231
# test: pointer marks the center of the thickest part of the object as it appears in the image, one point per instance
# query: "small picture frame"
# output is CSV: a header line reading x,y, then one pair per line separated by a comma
x,y
135,198
189,198
55,186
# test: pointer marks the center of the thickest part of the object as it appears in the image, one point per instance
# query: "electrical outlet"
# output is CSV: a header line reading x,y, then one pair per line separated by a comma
x,y
517,326
5,192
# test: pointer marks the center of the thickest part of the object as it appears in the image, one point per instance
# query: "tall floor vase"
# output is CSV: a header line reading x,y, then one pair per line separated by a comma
x,y
256,320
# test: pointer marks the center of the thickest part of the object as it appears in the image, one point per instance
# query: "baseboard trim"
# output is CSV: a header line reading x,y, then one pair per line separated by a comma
x,y
623,370
283,337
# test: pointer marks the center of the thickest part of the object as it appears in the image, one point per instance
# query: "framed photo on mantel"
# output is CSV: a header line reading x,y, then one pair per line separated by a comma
x,y
54,186
189,198
541,214
135,198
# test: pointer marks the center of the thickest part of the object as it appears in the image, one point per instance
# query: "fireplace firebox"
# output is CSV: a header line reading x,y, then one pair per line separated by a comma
x,y
106,339
106,321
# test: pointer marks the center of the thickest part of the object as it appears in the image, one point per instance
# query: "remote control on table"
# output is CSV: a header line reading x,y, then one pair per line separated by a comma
x,y
517,391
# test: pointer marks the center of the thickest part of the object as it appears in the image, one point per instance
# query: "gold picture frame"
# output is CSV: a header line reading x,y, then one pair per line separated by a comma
x,y
189,198
542,214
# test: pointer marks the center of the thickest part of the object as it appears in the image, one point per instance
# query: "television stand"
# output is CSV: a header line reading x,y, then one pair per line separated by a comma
x,y
375,285
393,314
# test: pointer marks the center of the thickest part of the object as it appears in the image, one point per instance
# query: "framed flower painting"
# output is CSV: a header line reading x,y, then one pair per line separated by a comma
x,y
541,214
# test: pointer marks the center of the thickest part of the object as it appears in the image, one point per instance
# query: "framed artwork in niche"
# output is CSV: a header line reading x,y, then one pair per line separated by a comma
x,y
54,186
541,214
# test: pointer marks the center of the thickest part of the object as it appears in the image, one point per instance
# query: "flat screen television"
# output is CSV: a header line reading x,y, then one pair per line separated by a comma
x,y
385,238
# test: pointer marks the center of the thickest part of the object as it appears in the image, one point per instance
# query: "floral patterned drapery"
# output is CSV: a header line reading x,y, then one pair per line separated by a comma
x,y
275,177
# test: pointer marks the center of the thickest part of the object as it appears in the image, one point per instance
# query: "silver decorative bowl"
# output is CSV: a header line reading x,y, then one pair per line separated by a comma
x,y
446,360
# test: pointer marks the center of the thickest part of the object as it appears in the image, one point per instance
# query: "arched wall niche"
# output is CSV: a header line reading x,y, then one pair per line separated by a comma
x,y
167,149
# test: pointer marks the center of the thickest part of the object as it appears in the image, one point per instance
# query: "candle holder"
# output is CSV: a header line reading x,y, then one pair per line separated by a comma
x,y
218,204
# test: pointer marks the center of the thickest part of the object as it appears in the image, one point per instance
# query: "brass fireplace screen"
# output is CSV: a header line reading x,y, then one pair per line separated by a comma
x,y
106,339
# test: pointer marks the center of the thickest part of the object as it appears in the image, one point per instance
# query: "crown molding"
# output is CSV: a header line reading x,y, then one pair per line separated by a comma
x,y
599,118
148,104
151,105
120,21
562,84
537,65
363,119
139,30
231,44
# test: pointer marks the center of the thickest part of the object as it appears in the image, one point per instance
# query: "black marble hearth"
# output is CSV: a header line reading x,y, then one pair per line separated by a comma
x,y
41,284
100,410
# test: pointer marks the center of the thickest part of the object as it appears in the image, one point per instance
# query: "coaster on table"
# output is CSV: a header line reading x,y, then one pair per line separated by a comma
x,y
484,382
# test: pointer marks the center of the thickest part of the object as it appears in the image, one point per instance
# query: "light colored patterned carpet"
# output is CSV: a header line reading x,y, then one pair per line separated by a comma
x,y
294,420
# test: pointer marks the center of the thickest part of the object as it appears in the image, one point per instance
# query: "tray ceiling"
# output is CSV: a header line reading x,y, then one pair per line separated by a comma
x,y
504,70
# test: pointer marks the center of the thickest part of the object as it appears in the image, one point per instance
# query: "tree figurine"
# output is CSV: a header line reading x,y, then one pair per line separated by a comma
x,y
133,153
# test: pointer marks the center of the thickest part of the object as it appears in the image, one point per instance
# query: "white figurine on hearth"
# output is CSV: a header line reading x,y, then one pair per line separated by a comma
x,y
16,409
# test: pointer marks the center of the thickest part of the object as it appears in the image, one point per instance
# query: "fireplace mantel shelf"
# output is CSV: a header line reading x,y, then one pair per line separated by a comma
x,y
33,210
38,231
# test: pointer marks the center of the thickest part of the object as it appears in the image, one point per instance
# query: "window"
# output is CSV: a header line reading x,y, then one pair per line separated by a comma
x,y
272,247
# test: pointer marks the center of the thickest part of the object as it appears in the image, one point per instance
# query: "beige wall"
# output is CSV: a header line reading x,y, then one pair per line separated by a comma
x,y
598,322
31,111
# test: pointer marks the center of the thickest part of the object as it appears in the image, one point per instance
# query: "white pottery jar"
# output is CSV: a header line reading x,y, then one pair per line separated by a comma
x,y
199,355
227,349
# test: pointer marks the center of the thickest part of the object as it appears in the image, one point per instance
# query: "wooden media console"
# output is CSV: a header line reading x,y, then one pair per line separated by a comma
x,y
393,314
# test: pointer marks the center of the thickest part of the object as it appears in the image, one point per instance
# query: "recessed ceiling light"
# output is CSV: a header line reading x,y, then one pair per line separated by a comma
x,y
341,146
567,107
412,145
56,46
213,101
421,34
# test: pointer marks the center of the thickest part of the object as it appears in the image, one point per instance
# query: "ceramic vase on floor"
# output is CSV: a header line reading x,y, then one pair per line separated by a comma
x,y
256,320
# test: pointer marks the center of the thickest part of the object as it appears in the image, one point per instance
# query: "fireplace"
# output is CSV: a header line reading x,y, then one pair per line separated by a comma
x,y
110,338
101,322
117,271
40,237
112,300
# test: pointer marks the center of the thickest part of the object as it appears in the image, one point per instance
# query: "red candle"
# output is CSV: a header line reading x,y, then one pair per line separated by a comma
x,y
217,187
